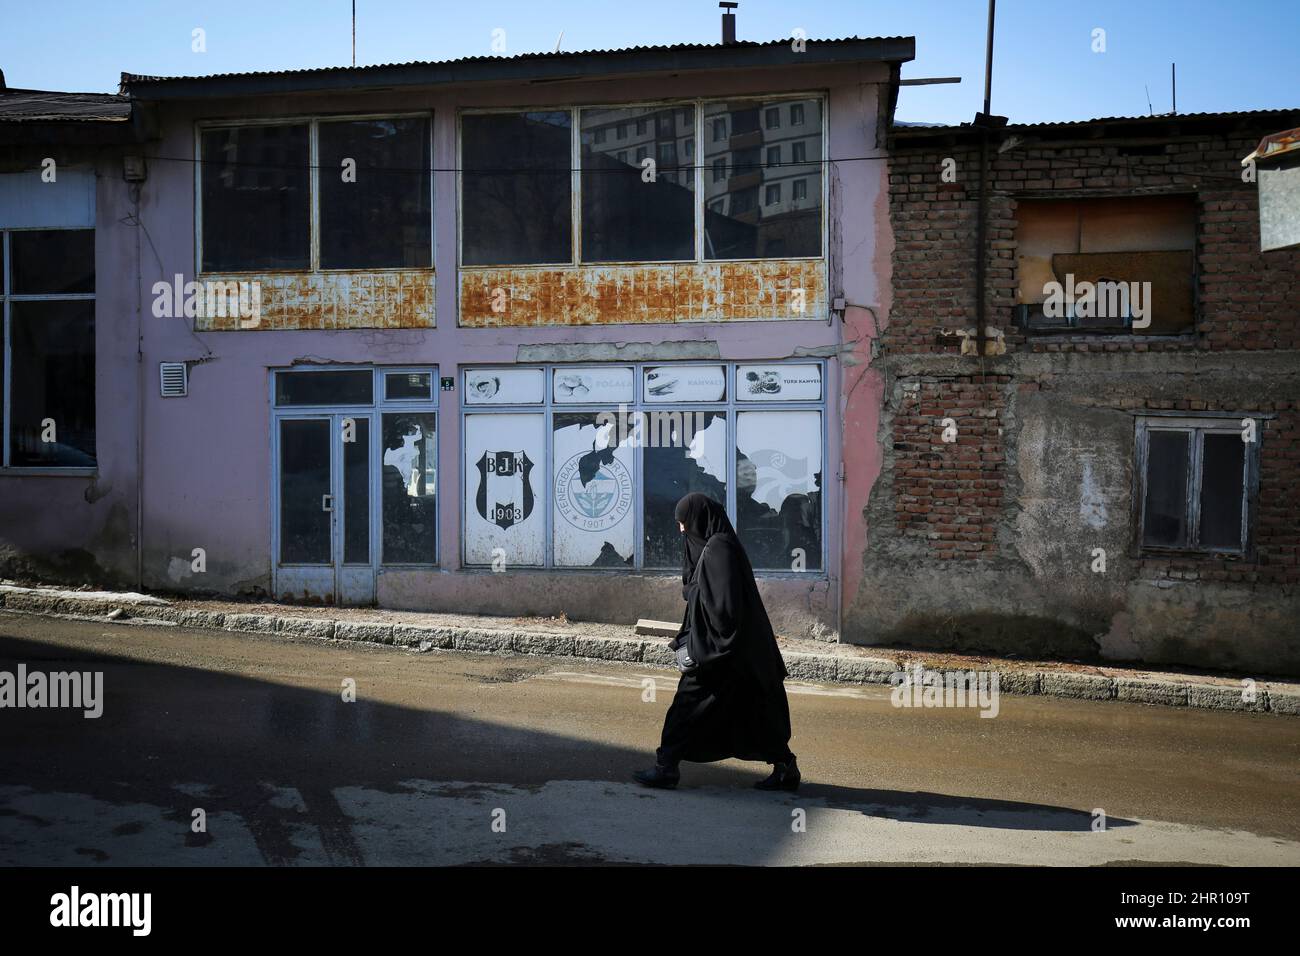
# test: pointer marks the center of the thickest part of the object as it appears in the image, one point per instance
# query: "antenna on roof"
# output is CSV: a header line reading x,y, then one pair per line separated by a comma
x,y
558,41
1150,109
1173,82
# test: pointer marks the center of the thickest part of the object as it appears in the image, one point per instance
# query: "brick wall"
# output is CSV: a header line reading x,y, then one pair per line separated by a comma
x,y
953,496
1247,299
949,494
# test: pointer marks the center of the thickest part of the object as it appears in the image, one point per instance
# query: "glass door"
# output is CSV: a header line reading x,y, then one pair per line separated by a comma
x,y
322,509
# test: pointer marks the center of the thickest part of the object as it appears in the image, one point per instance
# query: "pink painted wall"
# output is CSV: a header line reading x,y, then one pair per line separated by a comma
x,y
207,456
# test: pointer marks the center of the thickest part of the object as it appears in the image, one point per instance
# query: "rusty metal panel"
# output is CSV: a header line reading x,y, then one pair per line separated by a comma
x,y
747,290
392,299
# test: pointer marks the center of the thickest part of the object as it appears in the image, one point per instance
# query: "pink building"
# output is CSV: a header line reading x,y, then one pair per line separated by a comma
x,y
454,335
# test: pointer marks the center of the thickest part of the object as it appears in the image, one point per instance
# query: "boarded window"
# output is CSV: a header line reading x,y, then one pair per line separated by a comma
x,y
516,188
256,198
1197,483
624,217
1107,265
748,229
381,218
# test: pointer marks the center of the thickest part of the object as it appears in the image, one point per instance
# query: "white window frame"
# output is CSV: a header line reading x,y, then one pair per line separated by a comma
x,y
730,407
575,190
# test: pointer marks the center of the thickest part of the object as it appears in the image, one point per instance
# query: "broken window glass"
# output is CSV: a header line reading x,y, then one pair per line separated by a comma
x,y
256,196
409,488
624,217
51,408
744,228
516,188
684,451
375,211
505,490
593,491
779,489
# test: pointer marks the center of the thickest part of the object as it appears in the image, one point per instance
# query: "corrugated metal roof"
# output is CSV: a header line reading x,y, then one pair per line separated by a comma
x,y
486,68
1065,124
48,106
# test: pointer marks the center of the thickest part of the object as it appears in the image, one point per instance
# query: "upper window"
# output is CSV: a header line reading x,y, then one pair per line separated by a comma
x,y
518,205
372,206
750,230
47,347
1122,265
1197,483
515,188
625,218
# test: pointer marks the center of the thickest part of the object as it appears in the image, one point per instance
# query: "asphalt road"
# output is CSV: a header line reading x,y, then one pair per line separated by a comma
x,y
448,758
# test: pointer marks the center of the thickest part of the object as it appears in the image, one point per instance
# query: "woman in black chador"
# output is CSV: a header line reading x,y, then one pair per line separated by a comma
x,y
730,701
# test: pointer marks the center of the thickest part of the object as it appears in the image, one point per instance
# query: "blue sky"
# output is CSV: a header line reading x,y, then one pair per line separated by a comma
x,y
1231,55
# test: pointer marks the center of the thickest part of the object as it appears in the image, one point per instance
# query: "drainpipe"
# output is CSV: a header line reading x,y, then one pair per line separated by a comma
x,y
139,397
981,222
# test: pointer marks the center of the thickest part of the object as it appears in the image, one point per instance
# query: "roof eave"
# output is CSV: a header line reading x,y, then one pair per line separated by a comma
x,y
544,68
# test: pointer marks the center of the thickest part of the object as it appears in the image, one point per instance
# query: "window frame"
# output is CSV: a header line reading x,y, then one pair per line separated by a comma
x,y
697,165
1196,427
312,121
7,298
375,409
730,407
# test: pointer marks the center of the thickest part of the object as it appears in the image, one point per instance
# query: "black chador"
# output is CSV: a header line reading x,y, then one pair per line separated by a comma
x,y
730,701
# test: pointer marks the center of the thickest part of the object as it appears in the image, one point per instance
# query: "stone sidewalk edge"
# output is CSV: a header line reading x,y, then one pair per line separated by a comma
x,y
821,668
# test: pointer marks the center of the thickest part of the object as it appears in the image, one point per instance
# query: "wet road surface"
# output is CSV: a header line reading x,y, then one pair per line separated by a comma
x,y
449,758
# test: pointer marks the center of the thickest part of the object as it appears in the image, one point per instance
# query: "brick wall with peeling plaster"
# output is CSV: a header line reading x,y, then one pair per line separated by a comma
x,y
987,542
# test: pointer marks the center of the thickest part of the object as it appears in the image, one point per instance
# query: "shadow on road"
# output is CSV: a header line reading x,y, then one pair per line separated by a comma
x,y
169,732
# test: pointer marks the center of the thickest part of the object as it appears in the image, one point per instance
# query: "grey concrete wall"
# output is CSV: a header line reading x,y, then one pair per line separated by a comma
x,y
1068,490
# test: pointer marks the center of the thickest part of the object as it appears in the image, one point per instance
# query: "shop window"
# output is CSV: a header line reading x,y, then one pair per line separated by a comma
x,y
1114,266
624,443
1198,481
47,348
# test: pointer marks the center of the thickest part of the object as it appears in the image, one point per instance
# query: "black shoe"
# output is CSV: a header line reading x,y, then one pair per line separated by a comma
x,y
785,776
661,777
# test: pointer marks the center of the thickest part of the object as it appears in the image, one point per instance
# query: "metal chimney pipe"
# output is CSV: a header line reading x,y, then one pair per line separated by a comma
x,y
728,21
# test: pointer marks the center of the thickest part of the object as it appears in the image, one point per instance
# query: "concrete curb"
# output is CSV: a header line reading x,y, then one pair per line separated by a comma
x,y
819,668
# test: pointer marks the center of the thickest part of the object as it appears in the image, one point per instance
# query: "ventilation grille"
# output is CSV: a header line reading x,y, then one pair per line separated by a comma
x,y
175,379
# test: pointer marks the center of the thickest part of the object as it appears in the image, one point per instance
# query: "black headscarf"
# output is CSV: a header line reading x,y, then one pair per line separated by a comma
x,y
703,518
725,619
